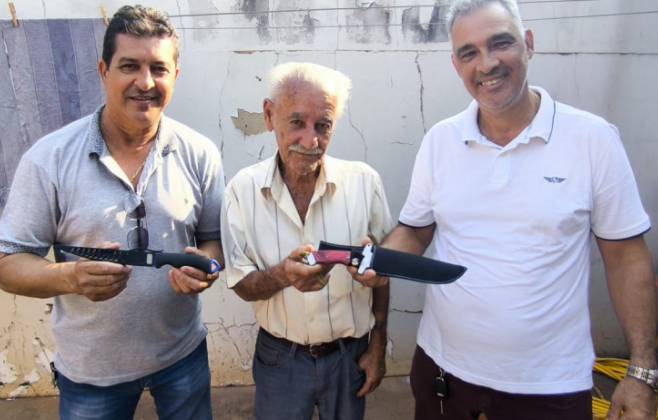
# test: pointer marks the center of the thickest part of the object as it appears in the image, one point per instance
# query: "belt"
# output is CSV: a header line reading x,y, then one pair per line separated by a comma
x,y
314,350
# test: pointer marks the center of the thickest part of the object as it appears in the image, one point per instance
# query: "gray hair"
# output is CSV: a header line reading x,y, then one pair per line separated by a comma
x,y
332,82
464,7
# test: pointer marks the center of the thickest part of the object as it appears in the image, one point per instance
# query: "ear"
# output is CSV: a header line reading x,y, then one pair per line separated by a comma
x,y
529,42
268,114
177,71
102,70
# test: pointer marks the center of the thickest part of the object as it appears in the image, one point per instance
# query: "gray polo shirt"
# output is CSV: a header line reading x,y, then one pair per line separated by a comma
x,y
68,189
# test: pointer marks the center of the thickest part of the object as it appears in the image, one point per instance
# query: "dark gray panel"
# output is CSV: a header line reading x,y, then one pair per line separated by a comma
x,y
64,60
86,54
41,57
11,132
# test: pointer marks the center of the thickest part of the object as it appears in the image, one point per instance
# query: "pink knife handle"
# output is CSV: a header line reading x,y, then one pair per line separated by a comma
x,y
332,257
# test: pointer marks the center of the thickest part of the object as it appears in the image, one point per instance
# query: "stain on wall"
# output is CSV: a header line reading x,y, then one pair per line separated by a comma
x,y
205,7
295,22
258,10
369,24
433,31
250,123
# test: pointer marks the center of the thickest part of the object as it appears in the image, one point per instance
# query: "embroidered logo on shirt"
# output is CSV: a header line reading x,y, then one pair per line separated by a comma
x,y
554,179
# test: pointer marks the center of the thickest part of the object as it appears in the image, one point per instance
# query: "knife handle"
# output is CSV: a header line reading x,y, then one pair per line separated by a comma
x,y
333,257
191,260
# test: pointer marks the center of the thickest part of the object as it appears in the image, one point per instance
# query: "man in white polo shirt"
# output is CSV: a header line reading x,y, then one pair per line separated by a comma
x,y
511,188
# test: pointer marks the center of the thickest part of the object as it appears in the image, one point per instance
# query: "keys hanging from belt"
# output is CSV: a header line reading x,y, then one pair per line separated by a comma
x,y
441,387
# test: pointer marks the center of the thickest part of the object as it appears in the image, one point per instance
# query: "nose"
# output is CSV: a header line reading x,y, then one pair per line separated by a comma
x,y
488,62
144,80
309,139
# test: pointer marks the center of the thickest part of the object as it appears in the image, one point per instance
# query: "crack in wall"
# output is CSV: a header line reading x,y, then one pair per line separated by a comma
x,y
226,329
422,91
363,139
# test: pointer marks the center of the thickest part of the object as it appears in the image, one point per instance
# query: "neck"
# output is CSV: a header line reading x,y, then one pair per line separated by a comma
x,y
120,136
503,127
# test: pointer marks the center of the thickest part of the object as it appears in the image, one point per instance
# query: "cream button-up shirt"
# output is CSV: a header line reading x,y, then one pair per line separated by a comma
x,y
261,227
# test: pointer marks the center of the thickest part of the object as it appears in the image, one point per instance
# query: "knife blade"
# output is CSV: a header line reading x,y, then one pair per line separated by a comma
x,y
147,258
387,262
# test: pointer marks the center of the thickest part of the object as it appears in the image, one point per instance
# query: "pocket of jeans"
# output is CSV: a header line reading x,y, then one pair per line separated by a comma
x,y
268,356
354,356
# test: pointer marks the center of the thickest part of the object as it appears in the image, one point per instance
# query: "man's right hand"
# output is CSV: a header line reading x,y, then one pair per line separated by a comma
x,y
98,280
303,277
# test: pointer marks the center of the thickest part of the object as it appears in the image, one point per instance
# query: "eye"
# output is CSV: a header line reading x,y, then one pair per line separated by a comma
x,y
502,44
161,70
467,55
126,67
297,123
323,127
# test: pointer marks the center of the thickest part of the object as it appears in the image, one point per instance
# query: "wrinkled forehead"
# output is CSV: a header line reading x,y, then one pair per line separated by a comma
x,y
304,97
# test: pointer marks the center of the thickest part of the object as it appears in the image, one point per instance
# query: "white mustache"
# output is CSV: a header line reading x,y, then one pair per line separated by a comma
x,y
298,148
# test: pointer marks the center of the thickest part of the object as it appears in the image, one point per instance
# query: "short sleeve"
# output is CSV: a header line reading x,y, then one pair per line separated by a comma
x,y
212,184
234,240
417,210
617,211
380,222
29,219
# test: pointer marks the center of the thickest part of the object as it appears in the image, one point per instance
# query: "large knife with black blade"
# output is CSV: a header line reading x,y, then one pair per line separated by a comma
x,y
387,262
146,258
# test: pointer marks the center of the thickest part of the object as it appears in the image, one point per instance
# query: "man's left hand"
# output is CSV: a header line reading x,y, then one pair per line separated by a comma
x,y
632,400
373,363
370,277
190,280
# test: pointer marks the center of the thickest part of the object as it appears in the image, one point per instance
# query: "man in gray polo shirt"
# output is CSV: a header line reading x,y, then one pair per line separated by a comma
x,y
128,177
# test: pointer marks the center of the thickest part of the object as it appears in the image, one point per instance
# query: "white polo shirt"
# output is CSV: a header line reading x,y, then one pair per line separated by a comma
x,y
519,217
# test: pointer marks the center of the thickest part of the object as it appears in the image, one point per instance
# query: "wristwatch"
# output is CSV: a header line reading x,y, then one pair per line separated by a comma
x,y
648,376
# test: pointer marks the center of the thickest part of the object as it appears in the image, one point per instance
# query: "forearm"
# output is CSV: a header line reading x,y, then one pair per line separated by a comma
x,y
408,239
631,282
261,285
380,301
30,275
213,249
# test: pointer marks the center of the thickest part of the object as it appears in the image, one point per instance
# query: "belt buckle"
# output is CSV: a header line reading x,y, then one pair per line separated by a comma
x,y
315,350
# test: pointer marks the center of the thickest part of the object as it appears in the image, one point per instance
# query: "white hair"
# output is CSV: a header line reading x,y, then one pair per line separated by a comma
x,y
332,82
464,7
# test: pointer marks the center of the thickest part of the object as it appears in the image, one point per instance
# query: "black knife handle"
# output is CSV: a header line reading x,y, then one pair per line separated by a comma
x,y
191,260
328,246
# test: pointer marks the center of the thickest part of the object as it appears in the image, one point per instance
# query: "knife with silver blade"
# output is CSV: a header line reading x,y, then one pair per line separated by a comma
x,y
387,262
146,258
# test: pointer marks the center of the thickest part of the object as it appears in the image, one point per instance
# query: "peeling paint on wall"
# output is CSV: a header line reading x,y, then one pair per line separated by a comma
x,y
7,370
250,123
434,31
369,24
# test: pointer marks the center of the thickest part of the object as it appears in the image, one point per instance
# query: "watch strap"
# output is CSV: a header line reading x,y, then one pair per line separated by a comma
x,y
646,375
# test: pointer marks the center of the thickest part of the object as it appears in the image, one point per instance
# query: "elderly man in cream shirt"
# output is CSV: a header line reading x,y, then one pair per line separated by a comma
x,y
322,335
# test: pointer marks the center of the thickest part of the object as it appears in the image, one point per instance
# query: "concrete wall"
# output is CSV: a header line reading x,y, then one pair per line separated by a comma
x,y
403,83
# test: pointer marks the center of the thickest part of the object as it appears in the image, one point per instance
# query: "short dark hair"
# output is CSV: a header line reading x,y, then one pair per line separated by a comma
x,y
140,22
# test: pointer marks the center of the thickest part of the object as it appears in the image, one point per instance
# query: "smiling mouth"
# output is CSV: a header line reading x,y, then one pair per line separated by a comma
x,y
144,98
491,82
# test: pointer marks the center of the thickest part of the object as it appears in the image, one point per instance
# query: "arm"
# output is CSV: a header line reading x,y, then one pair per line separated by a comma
x,y
410,239
631,283
30,275
261,285
373,361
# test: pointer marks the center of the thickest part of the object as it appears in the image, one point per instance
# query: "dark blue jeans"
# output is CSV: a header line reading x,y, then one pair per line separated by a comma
x,y
290,383
181,391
